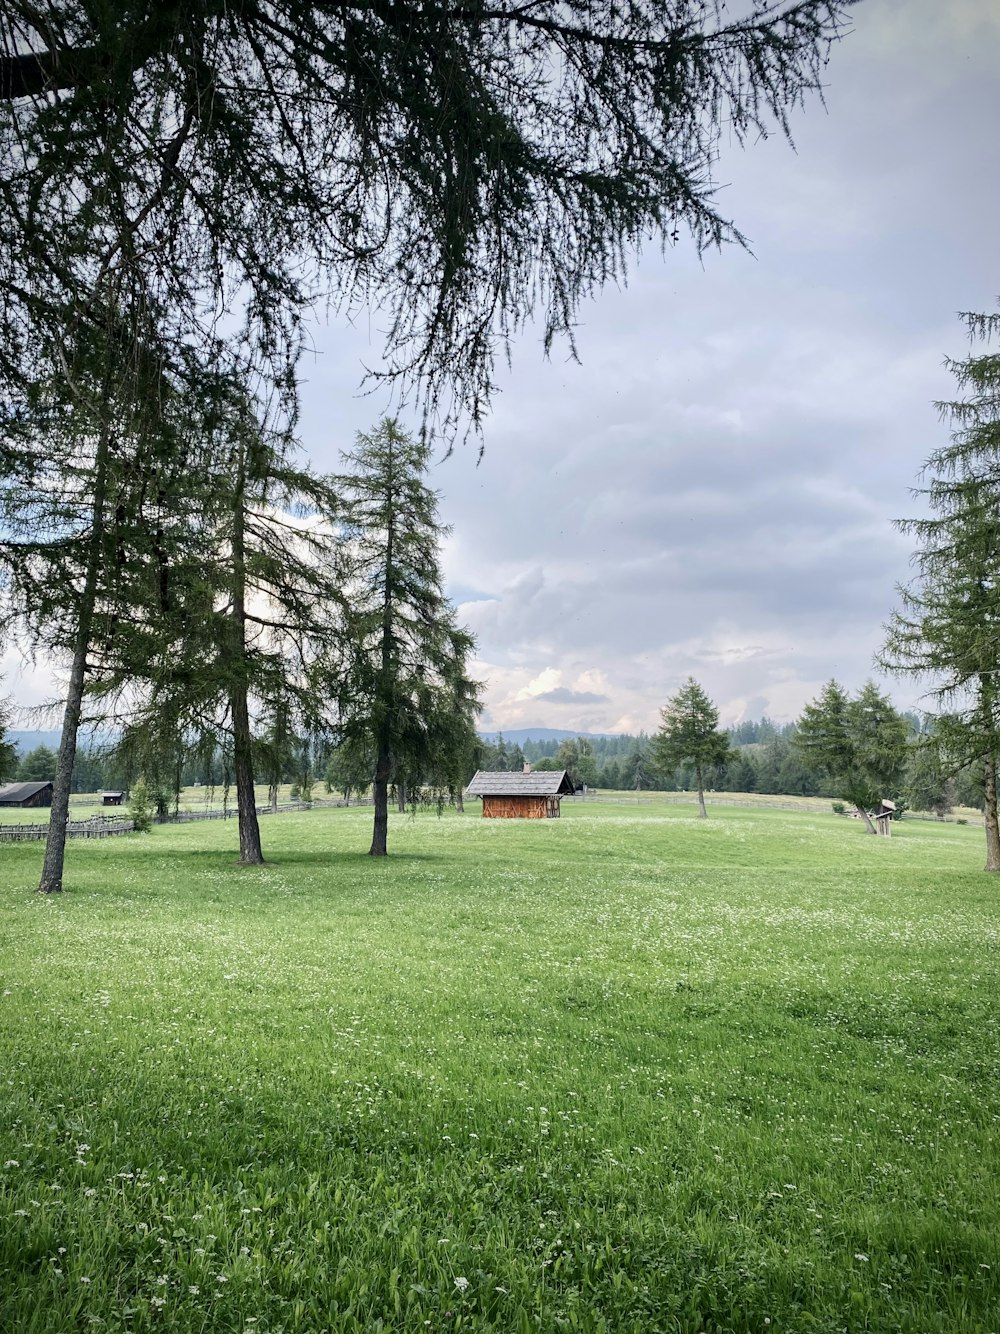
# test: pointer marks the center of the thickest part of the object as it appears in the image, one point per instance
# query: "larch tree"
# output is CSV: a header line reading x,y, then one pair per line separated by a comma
x,y
254,598
84,474
946,630
464,169
859,743
403,691
689,733
8,750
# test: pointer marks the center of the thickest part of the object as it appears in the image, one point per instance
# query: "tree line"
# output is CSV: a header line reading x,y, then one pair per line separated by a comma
x,y
761,756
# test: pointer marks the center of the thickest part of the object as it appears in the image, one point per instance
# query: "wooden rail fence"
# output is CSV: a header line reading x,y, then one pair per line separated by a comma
x,y
107,826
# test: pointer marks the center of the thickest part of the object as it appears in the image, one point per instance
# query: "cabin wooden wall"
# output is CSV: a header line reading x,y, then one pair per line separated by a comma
x,y
520,808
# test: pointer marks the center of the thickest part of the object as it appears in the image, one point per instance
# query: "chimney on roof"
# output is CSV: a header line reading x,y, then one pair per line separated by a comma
x,y
527,768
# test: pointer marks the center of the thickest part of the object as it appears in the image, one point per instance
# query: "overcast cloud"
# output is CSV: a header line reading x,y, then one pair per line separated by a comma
x,y
710,492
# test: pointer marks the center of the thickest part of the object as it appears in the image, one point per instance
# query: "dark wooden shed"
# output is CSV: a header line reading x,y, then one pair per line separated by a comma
x,y
526,796
112,798
26,794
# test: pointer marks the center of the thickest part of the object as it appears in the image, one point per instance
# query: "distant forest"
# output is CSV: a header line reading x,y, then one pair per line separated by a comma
x,y
762,759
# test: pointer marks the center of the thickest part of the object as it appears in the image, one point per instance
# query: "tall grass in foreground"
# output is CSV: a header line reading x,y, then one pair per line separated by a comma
x,y
625,1071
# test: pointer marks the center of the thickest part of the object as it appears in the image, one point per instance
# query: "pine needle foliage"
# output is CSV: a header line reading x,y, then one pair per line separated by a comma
x,y
466,167
88,483
690,734
946,631
859,743
404,695
254,601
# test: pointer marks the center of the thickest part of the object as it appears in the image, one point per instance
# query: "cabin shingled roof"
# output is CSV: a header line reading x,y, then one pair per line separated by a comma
x,y
490,783
22,791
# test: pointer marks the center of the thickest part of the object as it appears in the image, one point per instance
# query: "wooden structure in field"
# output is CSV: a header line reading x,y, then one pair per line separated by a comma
x,y
26,794
525,796
883,816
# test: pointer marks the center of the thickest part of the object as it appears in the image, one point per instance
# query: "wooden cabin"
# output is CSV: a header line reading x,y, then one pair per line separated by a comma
x,y
112,798
26,794
524,796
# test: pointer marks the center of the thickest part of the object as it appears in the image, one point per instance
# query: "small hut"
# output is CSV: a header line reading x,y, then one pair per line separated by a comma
x,y
26,794
112,798
525,796
883,814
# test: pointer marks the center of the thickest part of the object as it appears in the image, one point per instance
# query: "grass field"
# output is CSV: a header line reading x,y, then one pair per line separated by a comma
x,y
624,1071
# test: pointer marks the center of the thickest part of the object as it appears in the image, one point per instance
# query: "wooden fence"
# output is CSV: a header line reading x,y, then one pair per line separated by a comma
x,y
230,812
107,826
98,826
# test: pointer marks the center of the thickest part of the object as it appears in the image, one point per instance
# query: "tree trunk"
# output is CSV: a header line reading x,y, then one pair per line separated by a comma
x,y
401,796
869,827
990,815
272,796
702,813
246,800
55,845
383,757
459,801
251,853
380,791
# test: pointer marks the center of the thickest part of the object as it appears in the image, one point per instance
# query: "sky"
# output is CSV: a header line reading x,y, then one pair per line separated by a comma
x,y
710,491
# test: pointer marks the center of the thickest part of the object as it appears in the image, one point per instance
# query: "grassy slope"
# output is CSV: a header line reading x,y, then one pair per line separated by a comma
x,y
624,1071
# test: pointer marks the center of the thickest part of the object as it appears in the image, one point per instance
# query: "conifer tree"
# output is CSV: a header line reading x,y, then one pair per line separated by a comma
x,y
8,751
38,766
859,743
403,691
947,628
253,601
83,481
690,734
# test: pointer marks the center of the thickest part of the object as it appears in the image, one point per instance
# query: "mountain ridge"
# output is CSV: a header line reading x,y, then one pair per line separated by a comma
x,y
518,735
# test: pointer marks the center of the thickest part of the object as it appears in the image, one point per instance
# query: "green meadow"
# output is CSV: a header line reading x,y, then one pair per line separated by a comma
x,y
626,1071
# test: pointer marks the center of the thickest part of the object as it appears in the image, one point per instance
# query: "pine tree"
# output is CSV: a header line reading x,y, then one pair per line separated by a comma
x,y
141,806
500,760
859,743
947,629
690,733
38,766
404,690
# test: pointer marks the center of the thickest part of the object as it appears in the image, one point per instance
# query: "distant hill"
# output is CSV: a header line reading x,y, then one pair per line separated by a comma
x,y
519,735
26,741
30,740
